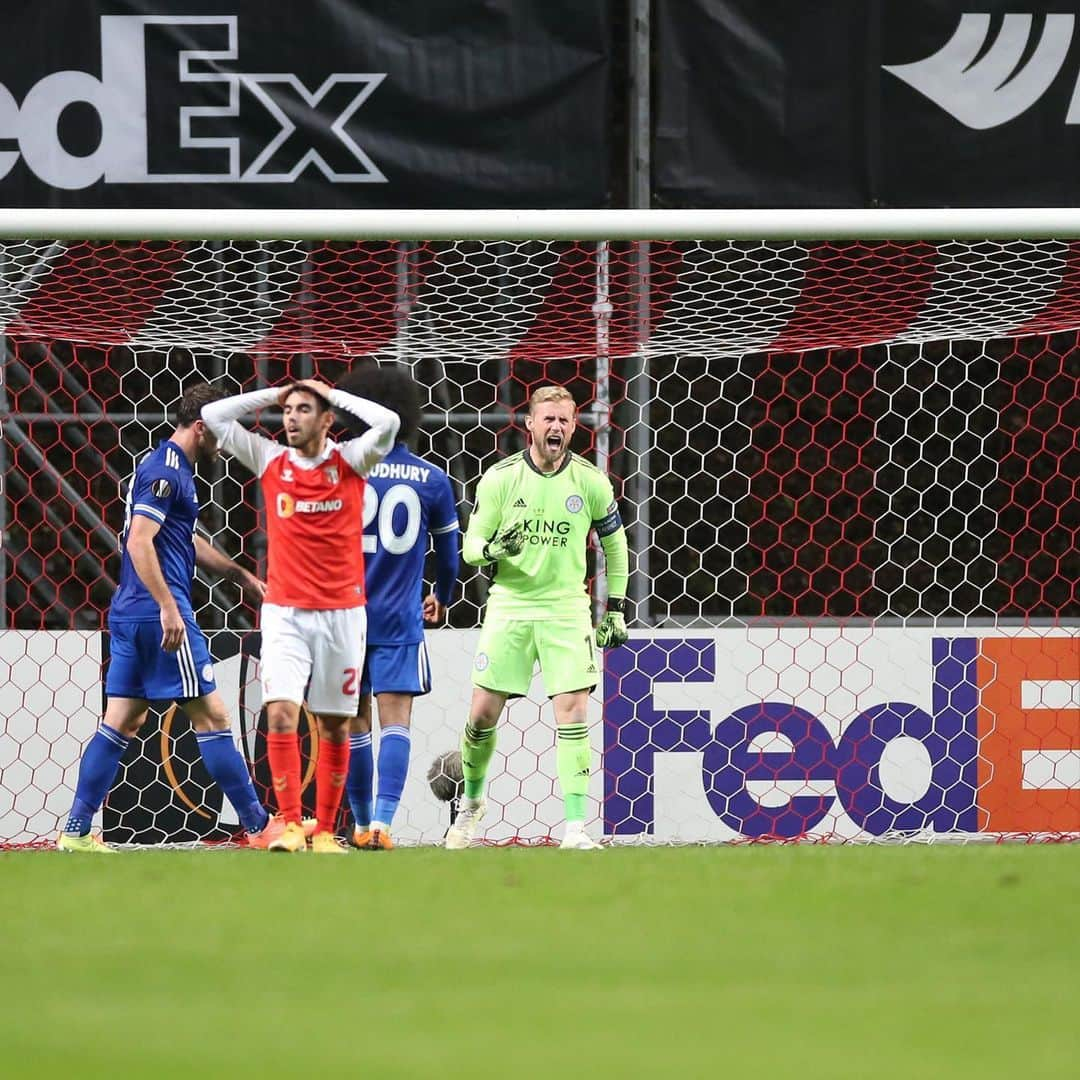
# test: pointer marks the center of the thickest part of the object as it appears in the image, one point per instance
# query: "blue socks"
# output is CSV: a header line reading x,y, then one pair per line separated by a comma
x,y
101,759
229,771
359,782
97,770
394,747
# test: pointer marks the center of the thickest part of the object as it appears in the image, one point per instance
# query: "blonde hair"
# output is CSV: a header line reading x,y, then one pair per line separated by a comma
x,y
551,393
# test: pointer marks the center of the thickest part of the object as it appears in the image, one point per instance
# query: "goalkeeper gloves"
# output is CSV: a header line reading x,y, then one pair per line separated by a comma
x,y
509,542
612,632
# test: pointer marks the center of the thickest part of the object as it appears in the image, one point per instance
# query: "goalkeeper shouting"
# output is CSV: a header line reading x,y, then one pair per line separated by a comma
x,y
534,512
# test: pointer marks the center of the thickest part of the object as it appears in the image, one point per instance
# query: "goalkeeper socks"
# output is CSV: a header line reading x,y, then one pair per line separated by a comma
x,y
358,784
574,760
394,746
330,773
229,771
97,770
477,746
283,750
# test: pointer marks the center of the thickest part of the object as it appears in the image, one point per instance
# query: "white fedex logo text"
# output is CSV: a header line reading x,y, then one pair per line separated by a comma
x,y
206,135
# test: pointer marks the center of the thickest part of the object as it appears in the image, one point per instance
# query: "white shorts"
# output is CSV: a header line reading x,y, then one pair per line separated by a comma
x,y
325,648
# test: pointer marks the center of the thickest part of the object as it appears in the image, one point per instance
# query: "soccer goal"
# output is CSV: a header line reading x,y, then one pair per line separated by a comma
x,y
844,442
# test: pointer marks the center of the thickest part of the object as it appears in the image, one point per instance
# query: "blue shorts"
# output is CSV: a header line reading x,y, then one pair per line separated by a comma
x,y
396,669
140,668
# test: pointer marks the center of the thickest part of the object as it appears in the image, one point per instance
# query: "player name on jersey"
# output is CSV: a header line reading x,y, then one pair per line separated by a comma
x,y
417,474
406,502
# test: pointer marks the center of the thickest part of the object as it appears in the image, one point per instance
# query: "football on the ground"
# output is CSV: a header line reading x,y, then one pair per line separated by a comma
x,y
445,776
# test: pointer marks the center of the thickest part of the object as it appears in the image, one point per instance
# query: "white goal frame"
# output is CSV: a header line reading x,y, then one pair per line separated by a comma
x,y
768,639
993,223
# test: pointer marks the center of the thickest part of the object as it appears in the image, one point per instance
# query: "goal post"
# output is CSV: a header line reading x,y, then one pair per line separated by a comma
x,y
844,443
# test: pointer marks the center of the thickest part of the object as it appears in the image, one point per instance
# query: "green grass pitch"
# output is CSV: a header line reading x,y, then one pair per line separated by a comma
x,y
861,962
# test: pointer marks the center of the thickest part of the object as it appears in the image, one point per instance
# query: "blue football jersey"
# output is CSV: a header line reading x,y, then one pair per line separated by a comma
x,y
406,499
162,489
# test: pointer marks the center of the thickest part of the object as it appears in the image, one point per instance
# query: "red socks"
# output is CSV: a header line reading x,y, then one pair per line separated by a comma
x,y
330,773
283,751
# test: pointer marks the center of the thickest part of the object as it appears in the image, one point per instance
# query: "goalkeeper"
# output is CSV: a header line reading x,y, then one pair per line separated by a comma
x,y
533,515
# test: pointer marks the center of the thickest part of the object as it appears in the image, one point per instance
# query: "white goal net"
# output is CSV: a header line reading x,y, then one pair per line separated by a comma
x,y
845,450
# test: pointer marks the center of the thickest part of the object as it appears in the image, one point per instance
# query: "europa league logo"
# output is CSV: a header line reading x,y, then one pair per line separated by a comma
x,y
250,721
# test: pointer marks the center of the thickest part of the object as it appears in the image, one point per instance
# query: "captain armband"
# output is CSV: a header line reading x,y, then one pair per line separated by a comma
x,y
611,521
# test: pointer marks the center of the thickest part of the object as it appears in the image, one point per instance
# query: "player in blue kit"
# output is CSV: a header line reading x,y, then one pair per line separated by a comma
x,y
407,499
157,652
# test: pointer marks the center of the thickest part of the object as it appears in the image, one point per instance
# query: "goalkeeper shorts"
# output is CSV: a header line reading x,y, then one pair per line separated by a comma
x,y
509,649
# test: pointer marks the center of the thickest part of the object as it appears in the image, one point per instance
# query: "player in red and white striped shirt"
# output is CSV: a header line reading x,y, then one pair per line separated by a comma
x,y
313,619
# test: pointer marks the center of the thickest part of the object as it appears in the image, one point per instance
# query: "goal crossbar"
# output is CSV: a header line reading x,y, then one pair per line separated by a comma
x,y
812,224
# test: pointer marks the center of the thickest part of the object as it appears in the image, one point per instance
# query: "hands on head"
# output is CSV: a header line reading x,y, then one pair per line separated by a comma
x,y
316,386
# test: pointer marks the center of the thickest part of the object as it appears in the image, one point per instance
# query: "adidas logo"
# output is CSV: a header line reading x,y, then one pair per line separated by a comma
x,y
520,504
591,669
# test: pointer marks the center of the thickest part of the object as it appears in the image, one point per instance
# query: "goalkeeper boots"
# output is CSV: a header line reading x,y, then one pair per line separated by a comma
x,y
326,843
374,838
292,838
89,843
460,835
577,839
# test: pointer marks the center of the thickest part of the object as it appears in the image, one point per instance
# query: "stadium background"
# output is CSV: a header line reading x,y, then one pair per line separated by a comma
x,y
849,471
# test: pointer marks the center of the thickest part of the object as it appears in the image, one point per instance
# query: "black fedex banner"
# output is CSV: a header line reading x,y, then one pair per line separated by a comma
x,y
326,103
920,103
